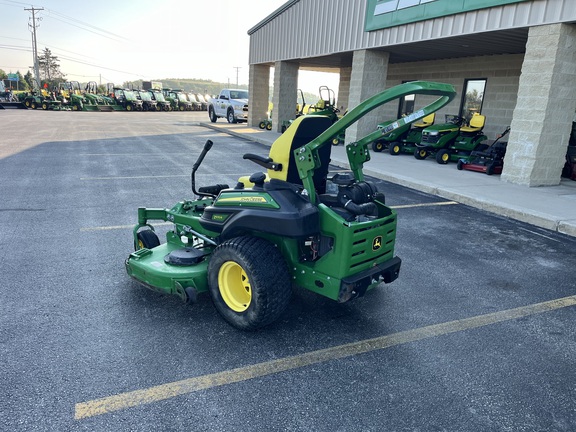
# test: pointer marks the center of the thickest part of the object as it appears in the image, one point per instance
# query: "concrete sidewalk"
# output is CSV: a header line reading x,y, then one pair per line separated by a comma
x,y
552,207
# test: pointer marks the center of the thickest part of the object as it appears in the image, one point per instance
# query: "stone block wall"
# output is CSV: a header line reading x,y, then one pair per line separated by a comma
x,y
545,109
502,73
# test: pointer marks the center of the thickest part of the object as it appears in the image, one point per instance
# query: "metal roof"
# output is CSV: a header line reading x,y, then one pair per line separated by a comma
x,y
323,38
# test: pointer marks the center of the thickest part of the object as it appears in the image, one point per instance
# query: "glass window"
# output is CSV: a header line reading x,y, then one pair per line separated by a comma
x,y
472,97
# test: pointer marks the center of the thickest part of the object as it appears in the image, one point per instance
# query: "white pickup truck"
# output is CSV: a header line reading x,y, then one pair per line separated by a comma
x,y
231,104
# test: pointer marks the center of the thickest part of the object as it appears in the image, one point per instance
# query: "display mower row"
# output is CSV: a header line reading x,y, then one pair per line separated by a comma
x,y
454,140
70,97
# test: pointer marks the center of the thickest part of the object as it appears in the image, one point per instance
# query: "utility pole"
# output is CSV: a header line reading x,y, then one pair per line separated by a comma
x,y
33,27
237,69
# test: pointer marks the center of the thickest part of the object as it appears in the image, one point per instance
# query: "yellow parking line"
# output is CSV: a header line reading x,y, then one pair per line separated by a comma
x,y
440,203
170,390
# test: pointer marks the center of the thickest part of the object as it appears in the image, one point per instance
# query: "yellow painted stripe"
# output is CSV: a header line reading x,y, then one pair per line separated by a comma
x,y
440,203
115,227
169,390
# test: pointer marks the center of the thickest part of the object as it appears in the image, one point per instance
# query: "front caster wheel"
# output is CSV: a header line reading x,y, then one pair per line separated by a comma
x,y
420,154
147,239
249,282
443,156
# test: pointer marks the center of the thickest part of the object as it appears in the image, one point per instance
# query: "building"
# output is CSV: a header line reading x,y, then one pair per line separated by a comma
x,y
516,58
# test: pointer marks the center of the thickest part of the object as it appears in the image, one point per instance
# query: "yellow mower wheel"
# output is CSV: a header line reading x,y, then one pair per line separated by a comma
x,y
234,286
249,282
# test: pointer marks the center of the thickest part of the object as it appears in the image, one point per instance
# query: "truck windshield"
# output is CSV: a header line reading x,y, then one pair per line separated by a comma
x,y
238,94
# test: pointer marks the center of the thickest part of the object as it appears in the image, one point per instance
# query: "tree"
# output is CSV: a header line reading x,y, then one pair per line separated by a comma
x,y
29,80
3,75
50,68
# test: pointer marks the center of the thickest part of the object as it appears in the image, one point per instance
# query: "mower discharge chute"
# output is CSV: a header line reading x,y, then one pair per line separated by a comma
x,y
246,246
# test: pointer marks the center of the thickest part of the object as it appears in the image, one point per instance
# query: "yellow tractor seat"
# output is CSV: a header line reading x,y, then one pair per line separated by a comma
x,y
476,124
425,122
280,163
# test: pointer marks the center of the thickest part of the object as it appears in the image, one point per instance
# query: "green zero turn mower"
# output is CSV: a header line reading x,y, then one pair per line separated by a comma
x,y
247,245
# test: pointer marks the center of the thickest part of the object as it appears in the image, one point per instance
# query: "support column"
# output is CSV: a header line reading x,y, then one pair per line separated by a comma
x,y
285,93
368,77
542,119
259,93
344,89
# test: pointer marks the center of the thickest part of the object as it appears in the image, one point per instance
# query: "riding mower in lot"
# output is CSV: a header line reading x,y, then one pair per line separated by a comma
x,y
248,244
489,161
451,140
404,139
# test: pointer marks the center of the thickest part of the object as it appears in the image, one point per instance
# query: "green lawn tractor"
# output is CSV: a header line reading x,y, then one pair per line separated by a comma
x,y
247,245
452,140
91,100
42,99
404,139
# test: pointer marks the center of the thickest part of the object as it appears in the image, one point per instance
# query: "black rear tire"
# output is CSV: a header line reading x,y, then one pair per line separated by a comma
x,y
490,168
249,282
377,146
394,148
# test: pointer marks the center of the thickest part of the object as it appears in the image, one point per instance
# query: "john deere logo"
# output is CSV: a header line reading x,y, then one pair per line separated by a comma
x,y
377,243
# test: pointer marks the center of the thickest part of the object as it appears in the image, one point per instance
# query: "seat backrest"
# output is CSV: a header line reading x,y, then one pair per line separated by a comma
x,y
477,121
426,121
303,130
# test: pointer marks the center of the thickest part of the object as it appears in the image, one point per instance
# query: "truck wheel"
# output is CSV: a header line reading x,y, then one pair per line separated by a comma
x,y
230,116
212,114
443,156
129,107
249,282
27,103
146,239
44,106
269,126
33,105
262,125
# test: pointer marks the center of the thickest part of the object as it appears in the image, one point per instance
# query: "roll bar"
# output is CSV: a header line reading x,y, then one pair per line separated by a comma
x,y
307,158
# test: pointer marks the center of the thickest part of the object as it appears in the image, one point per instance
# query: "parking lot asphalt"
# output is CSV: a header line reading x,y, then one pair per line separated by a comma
x,y
477,333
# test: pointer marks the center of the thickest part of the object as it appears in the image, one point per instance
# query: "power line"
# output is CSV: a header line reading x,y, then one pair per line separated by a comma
x,y
84,26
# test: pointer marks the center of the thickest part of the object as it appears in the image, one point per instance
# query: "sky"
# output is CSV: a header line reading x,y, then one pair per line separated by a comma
x,y
126,40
